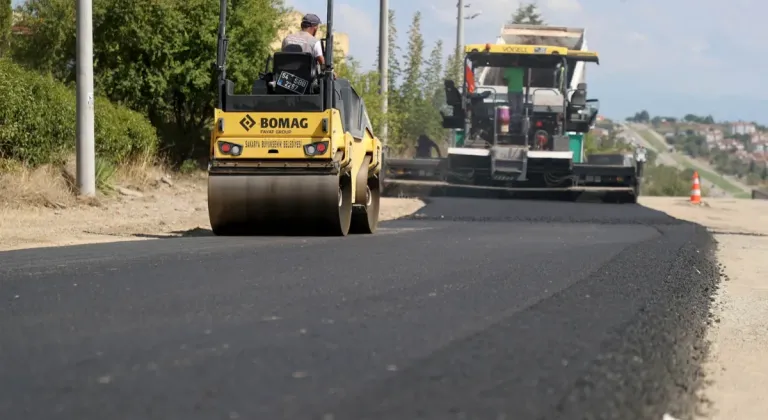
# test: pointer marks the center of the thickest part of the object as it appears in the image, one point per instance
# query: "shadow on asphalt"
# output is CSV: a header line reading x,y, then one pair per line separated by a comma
x,y
197,232
458,192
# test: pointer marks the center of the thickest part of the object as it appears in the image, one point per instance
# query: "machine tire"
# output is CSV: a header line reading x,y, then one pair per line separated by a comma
x,y
365,217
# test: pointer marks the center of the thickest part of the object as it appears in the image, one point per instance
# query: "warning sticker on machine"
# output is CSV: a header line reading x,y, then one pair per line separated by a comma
x,y
274,144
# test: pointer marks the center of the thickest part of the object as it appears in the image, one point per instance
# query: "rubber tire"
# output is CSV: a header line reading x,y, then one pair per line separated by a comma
x,y
365,218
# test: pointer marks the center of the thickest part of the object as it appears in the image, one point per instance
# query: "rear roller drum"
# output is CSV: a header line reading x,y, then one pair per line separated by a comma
x,y
280,205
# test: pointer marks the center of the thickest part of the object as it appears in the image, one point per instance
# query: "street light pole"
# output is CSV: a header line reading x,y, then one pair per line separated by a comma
x,y
384,67
86,159
460,26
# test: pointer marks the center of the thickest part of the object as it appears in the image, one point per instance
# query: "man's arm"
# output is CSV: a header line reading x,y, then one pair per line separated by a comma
x,y
317,50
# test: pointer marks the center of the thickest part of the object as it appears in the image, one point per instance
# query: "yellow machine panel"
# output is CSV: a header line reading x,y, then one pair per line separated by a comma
x,y
251,124
240,135
515,49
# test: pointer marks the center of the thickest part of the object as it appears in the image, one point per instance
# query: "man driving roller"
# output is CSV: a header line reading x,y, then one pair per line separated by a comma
x,y
305,38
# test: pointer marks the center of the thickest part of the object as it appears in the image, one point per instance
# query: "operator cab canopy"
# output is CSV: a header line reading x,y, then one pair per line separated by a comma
x,y
515,55
541,60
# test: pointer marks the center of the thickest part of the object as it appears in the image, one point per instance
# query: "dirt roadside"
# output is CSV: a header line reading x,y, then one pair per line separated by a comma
x,y
160,208
737,369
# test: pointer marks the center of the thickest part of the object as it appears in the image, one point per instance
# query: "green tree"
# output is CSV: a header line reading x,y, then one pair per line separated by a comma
x,y
415,93
432,84
366,84
154,56
394,62
411,101
453,68
6,23
528,14
640,117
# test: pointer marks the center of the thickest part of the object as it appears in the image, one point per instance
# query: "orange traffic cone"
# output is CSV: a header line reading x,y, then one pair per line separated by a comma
x,y
696,189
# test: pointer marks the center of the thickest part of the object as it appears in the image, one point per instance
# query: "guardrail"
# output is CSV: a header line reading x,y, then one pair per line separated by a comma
x,y
759,195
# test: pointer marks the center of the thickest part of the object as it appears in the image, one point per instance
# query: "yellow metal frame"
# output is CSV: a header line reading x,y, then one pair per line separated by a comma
x,y
515,49
588,56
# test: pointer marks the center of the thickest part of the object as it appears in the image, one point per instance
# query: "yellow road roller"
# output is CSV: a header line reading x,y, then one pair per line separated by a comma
x,y
297,156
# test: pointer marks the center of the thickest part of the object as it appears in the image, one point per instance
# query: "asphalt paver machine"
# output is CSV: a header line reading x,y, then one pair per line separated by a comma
x,y
519,140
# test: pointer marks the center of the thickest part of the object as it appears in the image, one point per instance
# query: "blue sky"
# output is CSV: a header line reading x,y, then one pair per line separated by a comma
x,y
670,57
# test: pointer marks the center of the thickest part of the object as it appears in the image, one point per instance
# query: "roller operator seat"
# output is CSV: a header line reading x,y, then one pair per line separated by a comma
x,y
301,65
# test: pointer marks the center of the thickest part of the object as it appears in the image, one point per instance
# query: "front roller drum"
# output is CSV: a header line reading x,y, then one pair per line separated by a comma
x,y
280,205
365,213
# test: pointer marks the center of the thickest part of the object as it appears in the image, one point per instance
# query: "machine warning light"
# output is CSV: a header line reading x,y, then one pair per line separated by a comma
x,y
231,149
316,149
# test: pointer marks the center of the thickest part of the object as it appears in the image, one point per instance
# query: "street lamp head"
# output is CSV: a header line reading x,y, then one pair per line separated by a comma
x,y
474,15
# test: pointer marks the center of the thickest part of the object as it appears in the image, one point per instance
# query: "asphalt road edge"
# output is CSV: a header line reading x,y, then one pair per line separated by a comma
x,y
654,364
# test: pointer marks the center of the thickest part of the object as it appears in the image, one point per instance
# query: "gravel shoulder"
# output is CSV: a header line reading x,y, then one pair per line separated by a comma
x,y
168,208
736,369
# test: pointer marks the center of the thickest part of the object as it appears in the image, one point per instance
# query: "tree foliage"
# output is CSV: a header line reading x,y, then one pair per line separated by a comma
x,y
6,24
640,117
528,14
699,119
416,91
38,124
155,55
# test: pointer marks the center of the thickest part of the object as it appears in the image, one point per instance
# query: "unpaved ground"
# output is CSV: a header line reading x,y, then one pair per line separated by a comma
x,y
737,368
170,208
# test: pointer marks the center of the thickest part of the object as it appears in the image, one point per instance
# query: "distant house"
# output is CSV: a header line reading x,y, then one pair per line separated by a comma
x,y
18,27
743,128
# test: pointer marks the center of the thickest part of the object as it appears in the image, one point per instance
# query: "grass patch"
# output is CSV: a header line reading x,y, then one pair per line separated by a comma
x,y
704,173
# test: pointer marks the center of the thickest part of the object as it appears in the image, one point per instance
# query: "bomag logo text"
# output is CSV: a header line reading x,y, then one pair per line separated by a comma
x,y
284,123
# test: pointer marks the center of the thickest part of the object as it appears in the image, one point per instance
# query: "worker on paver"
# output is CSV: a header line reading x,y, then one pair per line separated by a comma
x,y
514,77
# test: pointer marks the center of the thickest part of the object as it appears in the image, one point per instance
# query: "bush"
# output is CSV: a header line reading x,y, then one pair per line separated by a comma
x,y
38,122
661,180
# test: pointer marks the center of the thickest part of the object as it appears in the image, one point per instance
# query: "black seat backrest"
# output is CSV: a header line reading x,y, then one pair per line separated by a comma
x,y
300,67
579,97
452,95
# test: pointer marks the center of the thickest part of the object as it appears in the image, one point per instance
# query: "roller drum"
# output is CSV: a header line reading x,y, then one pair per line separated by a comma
x,y
279,204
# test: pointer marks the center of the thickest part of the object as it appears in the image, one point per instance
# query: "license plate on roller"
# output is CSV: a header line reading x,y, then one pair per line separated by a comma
x,y
292,82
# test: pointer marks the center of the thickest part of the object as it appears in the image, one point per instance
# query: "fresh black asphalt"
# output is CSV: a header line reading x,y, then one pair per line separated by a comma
x,y
470,309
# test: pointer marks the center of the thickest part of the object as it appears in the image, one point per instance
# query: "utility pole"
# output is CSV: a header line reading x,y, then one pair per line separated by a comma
x,y
86,159
384,68
460,27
